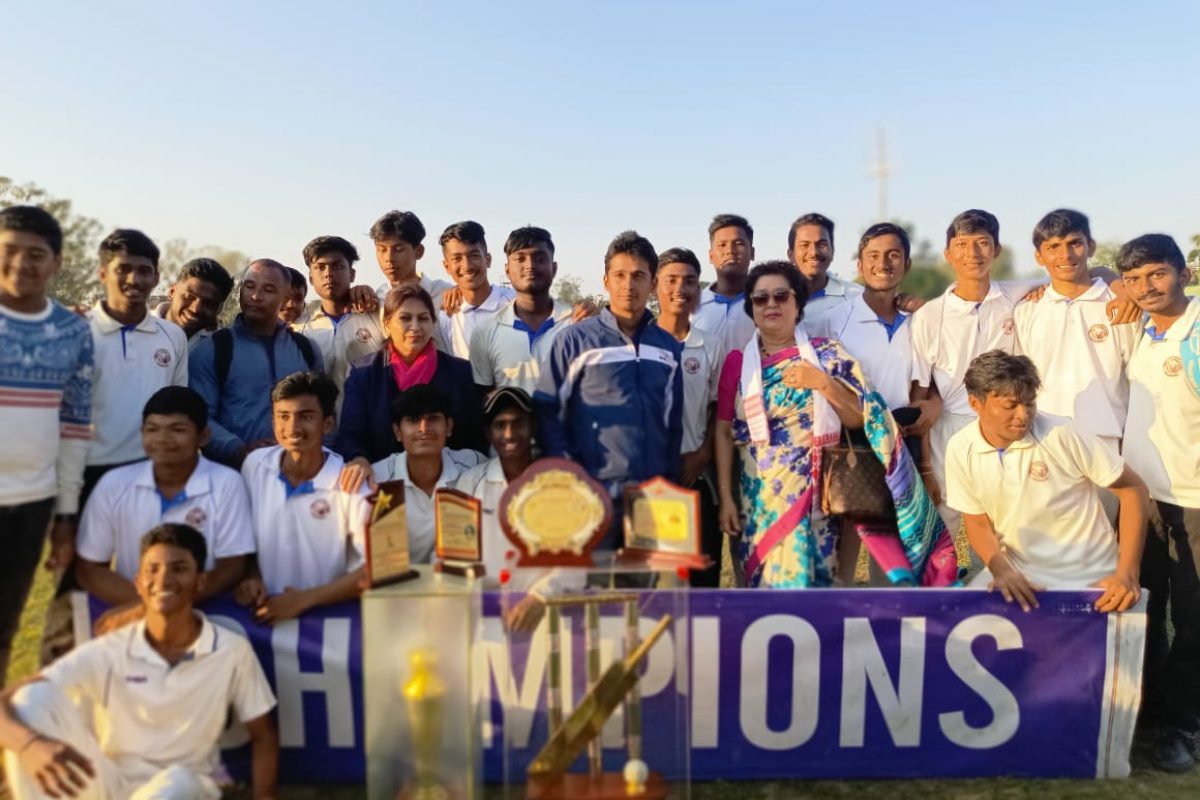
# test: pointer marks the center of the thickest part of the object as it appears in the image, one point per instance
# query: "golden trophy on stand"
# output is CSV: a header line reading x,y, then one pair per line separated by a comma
x,y
423,694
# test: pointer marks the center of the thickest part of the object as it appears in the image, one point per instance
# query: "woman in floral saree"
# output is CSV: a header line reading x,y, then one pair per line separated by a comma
x,y
781,400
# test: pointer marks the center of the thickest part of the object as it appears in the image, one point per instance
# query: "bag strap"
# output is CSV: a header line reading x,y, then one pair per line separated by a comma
x,y
222,340
306,347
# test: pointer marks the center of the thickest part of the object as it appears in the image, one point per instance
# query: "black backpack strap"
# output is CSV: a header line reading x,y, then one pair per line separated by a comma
x,y
306,347
222,357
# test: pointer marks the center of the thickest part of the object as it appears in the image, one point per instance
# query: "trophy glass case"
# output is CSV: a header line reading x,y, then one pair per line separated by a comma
x,y
422,718
596,706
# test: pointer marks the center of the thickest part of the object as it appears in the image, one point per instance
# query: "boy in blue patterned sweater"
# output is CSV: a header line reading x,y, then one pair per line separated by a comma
x,y
45,409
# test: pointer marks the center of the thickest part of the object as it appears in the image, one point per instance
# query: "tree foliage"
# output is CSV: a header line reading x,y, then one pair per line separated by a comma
x,y
77,283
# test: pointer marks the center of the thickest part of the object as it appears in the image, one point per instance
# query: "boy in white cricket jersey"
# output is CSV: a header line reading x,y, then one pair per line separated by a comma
x,y
310,534
422,423
160,695
1079,355
1161,437
1026,485
176,484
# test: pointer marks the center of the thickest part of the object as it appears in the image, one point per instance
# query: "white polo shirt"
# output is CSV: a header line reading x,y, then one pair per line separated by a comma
x,y
342,341
836,294
504,352
132,363
1041,497
1080,357
728,320
948,332
1162,432
126,504
151,715
418,506
431,285
456,328
486,481
701,369
884,353
309,535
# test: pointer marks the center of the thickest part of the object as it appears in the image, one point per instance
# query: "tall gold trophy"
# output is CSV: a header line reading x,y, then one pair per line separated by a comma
x,y
423,694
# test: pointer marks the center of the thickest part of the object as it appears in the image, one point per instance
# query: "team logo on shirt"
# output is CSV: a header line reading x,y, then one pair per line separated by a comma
x,y
1039,471
319,509
1173,366
196,517
363,335
1007,326
1098,333
162,357
691,365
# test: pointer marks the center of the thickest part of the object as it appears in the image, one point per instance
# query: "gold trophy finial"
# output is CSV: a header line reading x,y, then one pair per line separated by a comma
x,y
423,694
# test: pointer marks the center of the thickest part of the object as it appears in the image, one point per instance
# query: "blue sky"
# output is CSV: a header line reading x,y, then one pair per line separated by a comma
x,y
259,125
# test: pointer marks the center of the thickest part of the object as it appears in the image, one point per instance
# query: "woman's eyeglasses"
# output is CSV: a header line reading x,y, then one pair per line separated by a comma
x,y
780,296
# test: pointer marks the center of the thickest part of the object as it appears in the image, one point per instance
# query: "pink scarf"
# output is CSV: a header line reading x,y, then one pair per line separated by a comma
x,y
420,371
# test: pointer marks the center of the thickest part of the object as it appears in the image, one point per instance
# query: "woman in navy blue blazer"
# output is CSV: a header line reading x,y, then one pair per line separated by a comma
x,y
408,358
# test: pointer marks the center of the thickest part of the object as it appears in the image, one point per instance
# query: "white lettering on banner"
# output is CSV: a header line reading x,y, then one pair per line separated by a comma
x,y
1006,713
862,664
521,705
806,679
333,681
705,691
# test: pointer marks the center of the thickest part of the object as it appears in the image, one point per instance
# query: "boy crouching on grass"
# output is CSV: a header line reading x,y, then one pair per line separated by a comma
x,y
161,692
1028,490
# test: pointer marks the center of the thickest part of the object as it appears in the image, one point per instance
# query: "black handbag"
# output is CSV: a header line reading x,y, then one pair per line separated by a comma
x,y
854,484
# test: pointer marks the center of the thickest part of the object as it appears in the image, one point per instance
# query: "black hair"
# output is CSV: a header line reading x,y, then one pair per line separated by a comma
x,y
323,245
31,219
679,255
468,232
403,225
178,400
417,401
787,270
528,236
271,264
813,218
730,221
297,279
974,220
634,244
1150,248
885,229
178,535
1058,223
317,384
129,242
208,270
999,373
399,295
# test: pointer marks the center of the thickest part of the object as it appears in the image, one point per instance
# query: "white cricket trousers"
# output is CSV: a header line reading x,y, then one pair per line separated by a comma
x,y
45,708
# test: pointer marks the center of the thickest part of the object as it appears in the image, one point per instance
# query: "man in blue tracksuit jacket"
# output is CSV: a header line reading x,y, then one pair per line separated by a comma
x,y
611,396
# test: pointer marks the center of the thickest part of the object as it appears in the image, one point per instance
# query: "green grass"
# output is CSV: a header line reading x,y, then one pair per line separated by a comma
x,y
1145,784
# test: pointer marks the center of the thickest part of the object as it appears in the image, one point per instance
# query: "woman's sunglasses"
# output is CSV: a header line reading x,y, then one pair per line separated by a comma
x,y
780,296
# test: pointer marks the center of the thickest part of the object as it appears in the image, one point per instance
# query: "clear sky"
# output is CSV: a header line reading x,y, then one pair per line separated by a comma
x,y
258,125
